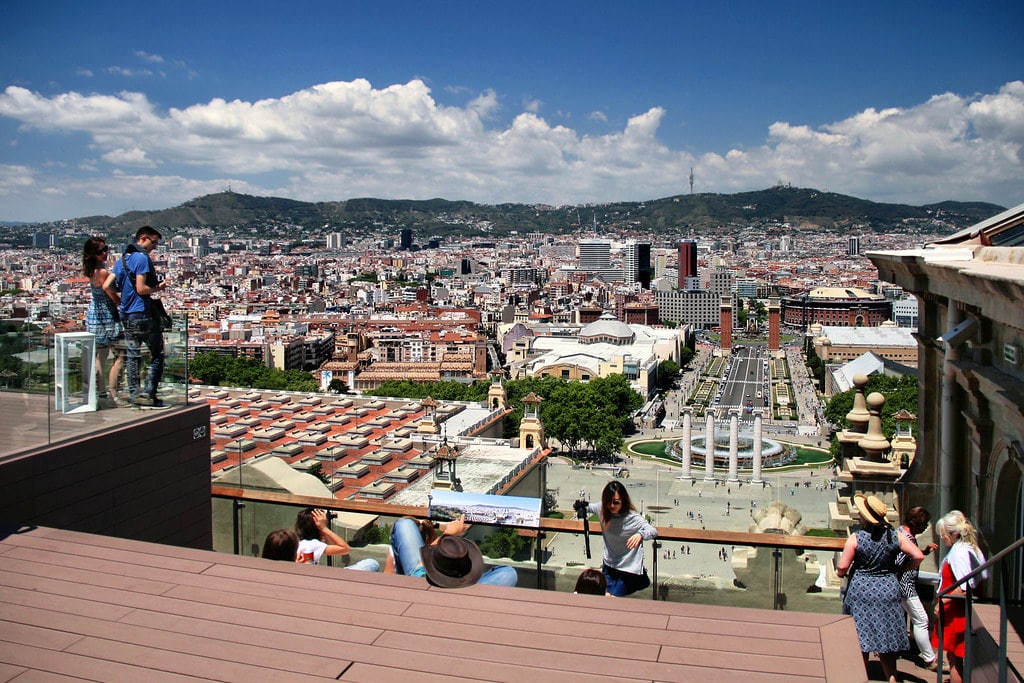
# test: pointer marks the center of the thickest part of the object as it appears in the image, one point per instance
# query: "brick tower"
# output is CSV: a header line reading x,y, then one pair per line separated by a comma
x,y
726,324
773,324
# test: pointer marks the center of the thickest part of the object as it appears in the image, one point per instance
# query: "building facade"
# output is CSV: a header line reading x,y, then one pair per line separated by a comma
x,y
837,306
971,348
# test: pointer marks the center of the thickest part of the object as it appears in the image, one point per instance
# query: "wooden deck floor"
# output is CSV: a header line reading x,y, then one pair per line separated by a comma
x,y
83,607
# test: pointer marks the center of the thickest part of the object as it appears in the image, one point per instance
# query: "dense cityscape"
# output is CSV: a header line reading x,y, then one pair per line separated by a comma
x,y
308,299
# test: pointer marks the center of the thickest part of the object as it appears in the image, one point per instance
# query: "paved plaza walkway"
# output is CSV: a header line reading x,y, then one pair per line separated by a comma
x,y
694,504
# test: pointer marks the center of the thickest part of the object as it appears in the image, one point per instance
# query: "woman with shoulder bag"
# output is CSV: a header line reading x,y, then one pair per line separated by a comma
x,y
624,531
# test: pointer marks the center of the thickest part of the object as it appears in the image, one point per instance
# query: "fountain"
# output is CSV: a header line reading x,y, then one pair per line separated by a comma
x,y
773,453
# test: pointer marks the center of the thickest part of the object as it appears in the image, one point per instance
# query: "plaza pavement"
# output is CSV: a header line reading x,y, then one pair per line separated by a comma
x,y
727,506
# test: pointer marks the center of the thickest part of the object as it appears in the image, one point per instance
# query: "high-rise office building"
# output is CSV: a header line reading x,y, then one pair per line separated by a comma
x,y
853,246
405,238
687,254
721,282
636,264
335,240
594,254
595,259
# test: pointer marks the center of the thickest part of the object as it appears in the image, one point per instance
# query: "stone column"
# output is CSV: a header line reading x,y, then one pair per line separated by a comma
x,y
756,478
734,444
709,447
687,434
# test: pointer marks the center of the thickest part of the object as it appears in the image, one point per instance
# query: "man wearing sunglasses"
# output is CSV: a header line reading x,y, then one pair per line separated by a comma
x,y
137,280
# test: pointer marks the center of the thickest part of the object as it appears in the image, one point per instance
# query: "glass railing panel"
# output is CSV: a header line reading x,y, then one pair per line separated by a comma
x,y
174,386
707,571
27,402
49,389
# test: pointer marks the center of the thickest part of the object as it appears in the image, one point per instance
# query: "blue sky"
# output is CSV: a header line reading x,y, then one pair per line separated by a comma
x,y
113,106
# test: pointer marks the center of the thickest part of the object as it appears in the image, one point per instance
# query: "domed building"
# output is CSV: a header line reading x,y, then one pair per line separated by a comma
x,y
601,348
836,306
607,330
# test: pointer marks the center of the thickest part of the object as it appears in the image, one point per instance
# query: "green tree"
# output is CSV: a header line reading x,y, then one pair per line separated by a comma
x,y
817,369
208,368
757,308
377,534
591,416
338,386
900,393
565,414
317,470
668,373
504,542
442,391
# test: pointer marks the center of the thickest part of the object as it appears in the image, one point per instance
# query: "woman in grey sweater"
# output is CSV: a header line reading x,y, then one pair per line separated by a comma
x,y
624,532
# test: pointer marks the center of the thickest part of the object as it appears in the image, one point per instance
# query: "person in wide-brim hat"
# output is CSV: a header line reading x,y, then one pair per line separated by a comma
x,y
452,562
872,509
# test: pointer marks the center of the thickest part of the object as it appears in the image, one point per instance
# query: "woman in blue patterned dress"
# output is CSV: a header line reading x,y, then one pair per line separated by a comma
x,y
872,593
102,319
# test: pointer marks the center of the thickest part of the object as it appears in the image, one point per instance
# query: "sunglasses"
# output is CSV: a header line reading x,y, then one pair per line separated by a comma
x,y
615,502
104,250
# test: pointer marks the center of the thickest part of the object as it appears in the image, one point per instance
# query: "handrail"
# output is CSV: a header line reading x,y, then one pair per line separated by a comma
x,y
968,597
745,538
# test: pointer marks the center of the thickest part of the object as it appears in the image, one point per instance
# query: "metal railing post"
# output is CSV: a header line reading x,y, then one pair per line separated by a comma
x,y
777,602
236,523
655,546
540,559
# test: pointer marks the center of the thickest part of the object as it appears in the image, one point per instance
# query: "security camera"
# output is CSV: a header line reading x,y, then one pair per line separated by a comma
x,y
960,333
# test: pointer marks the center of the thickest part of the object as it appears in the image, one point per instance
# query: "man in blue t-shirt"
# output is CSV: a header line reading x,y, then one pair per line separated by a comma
x,y
137,280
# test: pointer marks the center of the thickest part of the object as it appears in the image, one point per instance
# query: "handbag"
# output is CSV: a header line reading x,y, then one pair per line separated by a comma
x,y
159,313
631,582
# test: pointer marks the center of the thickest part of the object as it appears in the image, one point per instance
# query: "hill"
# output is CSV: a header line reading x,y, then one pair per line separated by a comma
x,y
671,216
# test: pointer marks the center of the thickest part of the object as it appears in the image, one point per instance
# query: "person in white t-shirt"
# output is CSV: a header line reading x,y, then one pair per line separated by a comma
x,y
316,539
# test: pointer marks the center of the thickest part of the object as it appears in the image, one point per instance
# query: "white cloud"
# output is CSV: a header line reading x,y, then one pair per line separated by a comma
x,y
598,116
15,179
532,105
128,157
344,139
146,57
128,72
485,105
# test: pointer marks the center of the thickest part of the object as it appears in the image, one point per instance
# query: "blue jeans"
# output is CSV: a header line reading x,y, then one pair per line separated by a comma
x,y
406,542
139,331
367,565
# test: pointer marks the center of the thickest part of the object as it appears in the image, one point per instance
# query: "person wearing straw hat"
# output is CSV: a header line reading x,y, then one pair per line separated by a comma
x,y
872,597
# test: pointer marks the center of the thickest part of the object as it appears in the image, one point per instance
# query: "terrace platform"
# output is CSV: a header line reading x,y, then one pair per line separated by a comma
x,y
77,606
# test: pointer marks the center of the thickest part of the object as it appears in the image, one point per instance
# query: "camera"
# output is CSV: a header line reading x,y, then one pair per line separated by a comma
x,y
580,506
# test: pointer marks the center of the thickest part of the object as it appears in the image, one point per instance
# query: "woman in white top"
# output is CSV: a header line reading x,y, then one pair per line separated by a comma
x,y
316,539
964,557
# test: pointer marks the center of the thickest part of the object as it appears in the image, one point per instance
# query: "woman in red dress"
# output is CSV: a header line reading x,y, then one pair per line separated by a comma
x,y
963,557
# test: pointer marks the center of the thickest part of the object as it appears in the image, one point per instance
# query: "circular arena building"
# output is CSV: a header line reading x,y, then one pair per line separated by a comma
x,y
836,306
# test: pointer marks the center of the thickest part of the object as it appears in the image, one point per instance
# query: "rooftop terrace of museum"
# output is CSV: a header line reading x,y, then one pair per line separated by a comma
x,y
75,605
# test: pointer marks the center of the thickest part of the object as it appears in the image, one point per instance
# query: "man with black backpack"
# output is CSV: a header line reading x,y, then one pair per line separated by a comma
x,y
136,278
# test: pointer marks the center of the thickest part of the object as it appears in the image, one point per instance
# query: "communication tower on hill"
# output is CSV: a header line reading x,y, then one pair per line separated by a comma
x,y
691,180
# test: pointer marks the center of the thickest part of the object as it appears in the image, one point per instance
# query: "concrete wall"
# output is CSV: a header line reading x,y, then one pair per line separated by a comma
x,y
147,480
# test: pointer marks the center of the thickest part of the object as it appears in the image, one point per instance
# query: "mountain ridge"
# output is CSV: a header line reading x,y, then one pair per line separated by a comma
x,y
705,212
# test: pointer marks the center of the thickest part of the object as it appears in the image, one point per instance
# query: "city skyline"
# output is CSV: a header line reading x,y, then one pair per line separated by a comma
x,y
105,111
